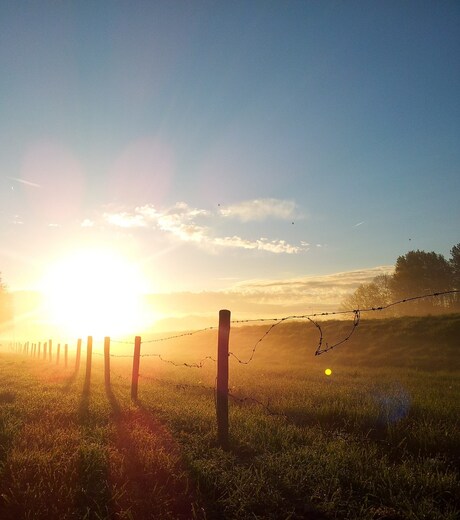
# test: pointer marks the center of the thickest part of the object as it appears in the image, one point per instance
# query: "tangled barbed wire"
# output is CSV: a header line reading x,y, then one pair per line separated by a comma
x,y
320,349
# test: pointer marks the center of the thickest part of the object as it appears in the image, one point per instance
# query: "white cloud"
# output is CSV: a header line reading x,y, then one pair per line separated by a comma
x,y
260,209
262,244
87,223
184,223
125,220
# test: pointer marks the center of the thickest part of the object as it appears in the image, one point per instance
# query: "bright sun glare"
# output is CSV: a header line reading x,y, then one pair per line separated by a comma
x,y
95,292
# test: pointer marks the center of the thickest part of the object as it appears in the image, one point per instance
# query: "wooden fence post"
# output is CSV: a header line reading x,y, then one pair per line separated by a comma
x,y
107,361
89,356
50,346
66,352
136,362
38,353
45,350
77,358
222,378
58,353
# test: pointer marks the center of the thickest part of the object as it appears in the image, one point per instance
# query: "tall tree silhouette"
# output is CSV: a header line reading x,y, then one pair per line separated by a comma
x,y
418,273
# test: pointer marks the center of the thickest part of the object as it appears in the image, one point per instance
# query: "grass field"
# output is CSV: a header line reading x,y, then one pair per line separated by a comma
x,y
378,439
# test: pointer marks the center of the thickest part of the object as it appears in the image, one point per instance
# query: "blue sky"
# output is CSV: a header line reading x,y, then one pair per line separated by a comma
x,y
218,144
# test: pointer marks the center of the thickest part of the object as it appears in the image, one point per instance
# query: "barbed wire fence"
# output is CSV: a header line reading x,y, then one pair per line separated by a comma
x,y
220,389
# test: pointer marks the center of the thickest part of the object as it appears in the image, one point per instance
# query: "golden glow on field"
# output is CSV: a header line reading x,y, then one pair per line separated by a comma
x,y
95,292
328,371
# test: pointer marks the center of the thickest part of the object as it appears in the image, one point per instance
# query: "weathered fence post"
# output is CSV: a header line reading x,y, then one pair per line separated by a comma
x,y
222,378
77,358
89,356
66,352
50,346
38,353
107,361
136,362
58,353
45,350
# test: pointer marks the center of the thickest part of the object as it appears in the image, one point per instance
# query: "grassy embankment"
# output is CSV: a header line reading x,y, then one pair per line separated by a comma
x,y
379,438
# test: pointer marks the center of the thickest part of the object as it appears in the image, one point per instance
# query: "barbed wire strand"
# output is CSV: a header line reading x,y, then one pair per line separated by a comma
x,y
319,350
356,320
199,364
167,338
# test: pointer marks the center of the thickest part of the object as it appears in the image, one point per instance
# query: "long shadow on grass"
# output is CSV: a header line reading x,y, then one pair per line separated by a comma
x,y
93,496
70,382
153,480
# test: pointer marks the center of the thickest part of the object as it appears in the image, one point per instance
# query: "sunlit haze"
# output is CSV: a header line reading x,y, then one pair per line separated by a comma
x,y
94,292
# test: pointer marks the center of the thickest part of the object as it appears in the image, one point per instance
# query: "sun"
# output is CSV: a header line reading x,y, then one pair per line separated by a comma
x,y
95,292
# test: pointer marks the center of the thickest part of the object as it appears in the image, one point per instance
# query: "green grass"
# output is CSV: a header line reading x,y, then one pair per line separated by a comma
x,y
378,439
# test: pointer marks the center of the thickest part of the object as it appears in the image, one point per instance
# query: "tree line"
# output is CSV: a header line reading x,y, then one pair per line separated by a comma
x,y
416,273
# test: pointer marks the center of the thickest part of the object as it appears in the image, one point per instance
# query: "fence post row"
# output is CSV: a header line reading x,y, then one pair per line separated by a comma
x,y
222,368
136,362
222,378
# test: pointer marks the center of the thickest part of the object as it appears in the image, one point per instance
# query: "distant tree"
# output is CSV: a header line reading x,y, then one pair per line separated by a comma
x,y
376,293
417,273
455,267
5,303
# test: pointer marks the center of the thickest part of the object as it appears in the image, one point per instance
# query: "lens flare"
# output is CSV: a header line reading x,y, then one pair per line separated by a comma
x,y
328,371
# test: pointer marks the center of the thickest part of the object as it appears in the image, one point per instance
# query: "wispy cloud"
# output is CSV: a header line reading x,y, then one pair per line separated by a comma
x,y
260,209
359,224
188,224
309,290
270,298
262,244
24,181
